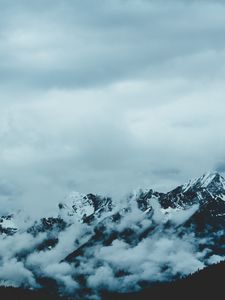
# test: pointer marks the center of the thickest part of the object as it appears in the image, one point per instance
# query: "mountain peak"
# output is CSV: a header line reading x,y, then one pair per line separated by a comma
x,y
211,181
84,206
209,178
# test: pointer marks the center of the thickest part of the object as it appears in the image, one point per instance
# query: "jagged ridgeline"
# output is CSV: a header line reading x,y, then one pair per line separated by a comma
x,y
93,244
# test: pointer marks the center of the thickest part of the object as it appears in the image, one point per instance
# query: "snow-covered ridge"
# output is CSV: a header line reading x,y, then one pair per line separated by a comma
x,y
7,225
89,236
210,178
76,204
81,206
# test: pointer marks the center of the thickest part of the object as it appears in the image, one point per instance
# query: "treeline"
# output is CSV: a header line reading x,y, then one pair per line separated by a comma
x,y
10,293
208,283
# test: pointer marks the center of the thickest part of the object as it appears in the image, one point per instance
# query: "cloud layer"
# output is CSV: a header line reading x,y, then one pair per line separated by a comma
x,y
107,96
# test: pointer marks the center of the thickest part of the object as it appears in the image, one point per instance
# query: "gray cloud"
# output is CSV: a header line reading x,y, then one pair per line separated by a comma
x,y
109,95
87,44
220,167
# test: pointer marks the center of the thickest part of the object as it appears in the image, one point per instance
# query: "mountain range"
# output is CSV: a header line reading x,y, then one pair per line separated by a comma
x,y
94,244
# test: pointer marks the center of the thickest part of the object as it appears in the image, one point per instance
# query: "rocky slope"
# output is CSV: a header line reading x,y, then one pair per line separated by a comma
x,y
93,244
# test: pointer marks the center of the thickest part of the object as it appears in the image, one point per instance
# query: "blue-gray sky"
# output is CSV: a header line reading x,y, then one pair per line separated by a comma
x,y
106,96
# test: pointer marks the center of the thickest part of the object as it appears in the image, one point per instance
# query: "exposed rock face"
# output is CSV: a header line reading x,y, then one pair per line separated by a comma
x,y
86,227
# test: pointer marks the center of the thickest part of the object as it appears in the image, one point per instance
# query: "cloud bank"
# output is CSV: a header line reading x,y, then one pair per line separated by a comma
x,y
107,96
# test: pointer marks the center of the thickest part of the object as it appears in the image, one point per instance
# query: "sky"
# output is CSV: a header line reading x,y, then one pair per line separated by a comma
x,y
107,96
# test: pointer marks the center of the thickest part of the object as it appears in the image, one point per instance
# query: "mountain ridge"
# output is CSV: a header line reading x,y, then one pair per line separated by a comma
x,y
149,237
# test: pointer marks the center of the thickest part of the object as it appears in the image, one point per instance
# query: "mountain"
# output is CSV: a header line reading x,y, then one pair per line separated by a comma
x,y
7,225
10,293
210,186
85,208
93,244
207,284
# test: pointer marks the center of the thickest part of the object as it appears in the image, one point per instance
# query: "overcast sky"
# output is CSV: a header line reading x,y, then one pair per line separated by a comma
x,y
106,96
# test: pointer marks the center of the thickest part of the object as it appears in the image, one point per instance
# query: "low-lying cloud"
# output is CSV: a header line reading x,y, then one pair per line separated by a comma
x,y
168,251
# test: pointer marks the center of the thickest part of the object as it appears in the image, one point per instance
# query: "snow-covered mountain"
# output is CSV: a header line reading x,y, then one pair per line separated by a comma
x,y
7,226
94,244
84,208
